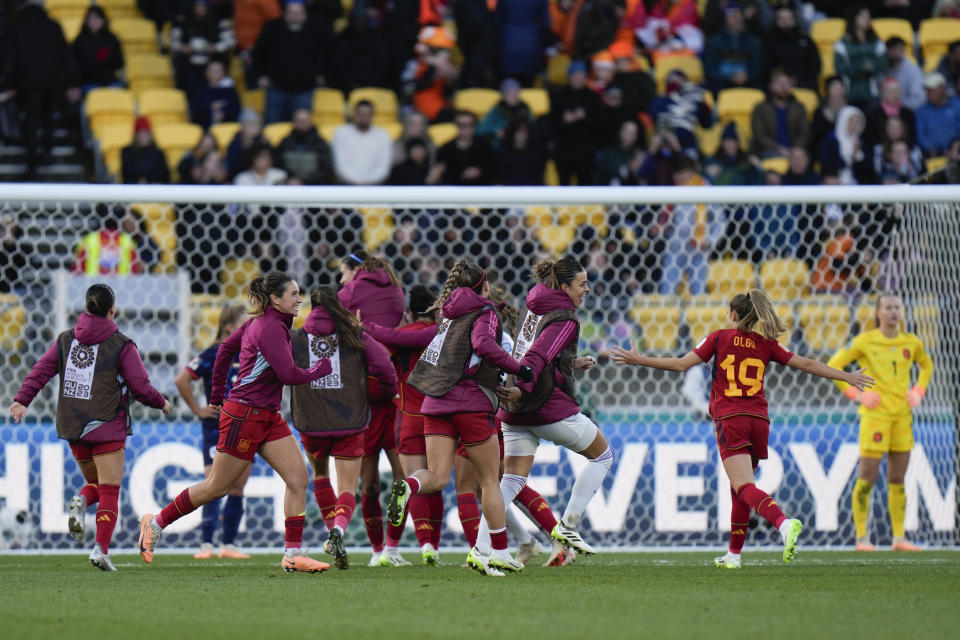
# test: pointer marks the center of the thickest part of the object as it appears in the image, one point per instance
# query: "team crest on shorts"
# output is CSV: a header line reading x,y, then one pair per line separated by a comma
x,y
243,445
82,355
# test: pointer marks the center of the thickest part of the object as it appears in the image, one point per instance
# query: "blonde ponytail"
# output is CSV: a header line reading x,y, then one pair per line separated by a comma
x,y
756,313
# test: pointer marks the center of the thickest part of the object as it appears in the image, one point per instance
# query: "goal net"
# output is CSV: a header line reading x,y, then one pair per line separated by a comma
x,y
662,266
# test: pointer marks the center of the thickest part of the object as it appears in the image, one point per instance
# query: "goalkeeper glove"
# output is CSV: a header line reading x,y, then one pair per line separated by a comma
x,y
915,395
869,399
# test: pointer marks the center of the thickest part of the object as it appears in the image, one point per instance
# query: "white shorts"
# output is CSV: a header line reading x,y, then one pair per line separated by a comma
x,y
575,433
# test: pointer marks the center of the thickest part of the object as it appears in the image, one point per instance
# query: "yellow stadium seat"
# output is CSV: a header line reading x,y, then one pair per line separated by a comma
x,y
537,99
593,215
557,69
477,101
934,36
785,313
176,139
148,71
224,133
301,318
827,69
708,299
865,317
826,32
161,219
60,9
659,325
136,35
254,99
729,277
785,279
71,27
163,106
328,106
13,318
112,139
809,99
886,28
442,133
327,130
117,9
384,102
277,131
775,164
736,105
690,65
825,320
198,300
550,176
936,163
393,129
555,238
236,275
539,216
926,320
710,138
206,319
377,227
704,320
109,107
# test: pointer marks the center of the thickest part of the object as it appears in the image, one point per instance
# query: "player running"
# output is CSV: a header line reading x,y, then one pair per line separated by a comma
x,y
739,409
885,418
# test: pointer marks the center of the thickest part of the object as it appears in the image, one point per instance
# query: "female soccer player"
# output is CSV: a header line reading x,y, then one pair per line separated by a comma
x,y
739,408
98,367
250,420
201,367
885,419
332,413
458,374
371,287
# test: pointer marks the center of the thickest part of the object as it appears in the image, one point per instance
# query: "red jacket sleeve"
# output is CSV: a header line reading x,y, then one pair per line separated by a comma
x,y
548,345
380,366
415,339
483,338
135,375
278,355
39,376
221,366
345,293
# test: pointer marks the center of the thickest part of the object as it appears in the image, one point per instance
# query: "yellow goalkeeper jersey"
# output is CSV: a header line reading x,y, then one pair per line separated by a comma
x,y
889,361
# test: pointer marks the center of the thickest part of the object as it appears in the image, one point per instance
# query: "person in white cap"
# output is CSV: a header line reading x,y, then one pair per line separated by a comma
x,y
938,121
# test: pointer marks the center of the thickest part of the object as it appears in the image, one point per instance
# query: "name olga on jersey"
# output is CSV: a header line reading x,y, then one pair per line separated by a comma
x,y
743,341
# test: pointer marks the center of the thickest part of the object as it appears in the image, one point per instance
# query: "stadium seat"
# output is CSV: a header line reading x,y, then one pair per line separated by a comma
x,y
926,320
934,36
809,99
729,277
198,300
776,164
886,28
163,106
328,106
148,71
442,133
13,318
785,279
71,27
236,275
785,313
160,219
224,132
61,9
826,322
384,103
690,65
827,69
109,107
393,129
707,299
112,138
936,163
555,238
710,138
538,216
477,101
301,318
205,322
865,317
736,105
703,320
236,72
825,34
326,131
117,9
659,325
593,215
136,35
176,139
538,100
377,227
277,131
557,69
550,176
254,99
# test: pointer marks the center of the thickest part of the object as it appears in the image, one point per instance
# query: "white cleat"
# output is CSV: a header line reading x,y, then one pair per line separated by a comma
x,y
727,561
528,551
77,511
375,559
570,537
503,561
101,560
480,564
392,558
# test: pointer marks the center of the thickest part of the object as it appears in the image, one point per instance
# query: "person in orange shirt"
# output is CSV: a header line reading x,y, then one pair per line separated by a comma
x,y
430,78
249,16
108,251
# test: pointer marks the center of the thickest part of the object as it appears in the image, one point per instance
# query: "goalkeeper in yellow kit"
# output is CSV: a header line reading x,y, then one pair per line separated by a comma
x,y
885,419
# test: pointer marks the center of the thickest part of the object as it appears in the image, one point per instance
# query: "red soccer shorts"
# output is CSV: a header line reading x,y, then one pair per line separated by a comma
x,y
471,428
243,429
347,447
410,440
742,434
462,450
85,451
381,433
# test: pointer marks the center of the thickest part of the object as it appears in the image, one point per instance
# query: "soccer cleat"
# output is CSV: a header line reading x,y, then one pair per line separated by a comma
x,y
864,546
375,559
335,542
794,527
504,561
300,561
328,548
569,537
148,537
101,560
560,556
430,556
399,495
392,558
528,551
77,512
905,545
205,553
481,565
230,552
727,561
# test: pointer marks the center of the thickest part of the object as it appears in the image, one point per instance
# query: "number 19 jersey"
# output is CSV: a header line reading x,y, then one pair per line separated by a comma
x,y
740,360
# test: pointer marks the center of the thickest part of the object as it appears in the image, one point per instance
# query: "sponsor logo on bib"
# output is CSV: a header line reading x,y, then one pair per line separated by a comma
x,y
326,347
528,331
78,376
432,353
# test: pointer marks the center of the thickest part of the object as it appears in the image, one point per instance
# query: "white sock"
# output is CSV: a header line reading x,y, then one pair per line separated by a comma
x,y
293,551
510,486
785,528
586,486
427,547
338,528
515,526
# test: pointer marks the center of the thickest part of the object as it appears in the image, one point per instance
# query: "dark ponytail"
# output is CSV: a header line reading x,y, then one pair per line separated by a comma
x,y
100,299
421,298
345,323
555,273
262,287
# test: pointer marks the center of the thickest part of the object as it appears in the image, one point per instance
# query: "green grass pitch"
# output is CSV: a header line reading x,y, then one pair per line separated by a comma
x,y
623,595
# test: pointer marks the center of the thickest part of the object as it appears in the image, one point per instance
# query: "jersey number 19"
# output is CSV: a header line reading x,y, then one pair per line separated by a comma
x,y
741,374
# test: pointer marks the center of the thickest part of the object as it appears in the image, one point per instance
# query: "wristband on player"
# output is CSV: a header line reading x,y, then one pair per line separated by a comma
x,y
853,393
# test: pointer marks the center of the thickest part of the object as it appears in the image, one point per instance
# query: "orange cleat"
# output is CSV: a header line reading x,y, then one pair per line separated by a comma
x,y
205,553
148,538
864,546
230,552
300,561
905,545
561,556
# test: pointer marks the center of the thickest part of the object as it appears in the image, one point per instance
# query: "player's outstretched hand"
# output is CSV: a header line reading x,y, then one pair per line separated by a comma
x,y
509,394
166,407
586,362
622,356
859,379
17,411
915,395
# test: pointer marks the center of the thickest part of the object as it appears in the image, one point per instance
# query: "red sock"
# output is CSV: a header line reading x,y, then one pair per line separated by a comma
x,y
419,507
373,519
293,527
395,532
537,507
344,510
326,500
414,485
91,493
435,500
469,512
498,539
107,514
739,522
180,507
762,504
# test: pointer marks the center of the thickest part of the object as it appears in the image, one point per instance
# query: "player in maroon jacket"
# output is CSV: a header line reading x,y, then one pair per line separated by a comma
x,y
739,408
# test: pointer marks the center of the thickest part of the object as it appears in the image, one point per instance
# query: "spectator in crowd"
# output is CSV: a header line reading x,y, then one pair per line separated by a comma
x,y
466,160
603,70
510,108
897,161
362,151
291,58
780,121
799,171
216,101
563,24
148,253
363,55
731,165
838,267
682,109
906,72
789,47
107,250
949,67
250,133
209,169
261,171
638,87
628,175
613,113
657,168
669,27
522,158
946,9
196,38
843,150
733,57
890,106
97,53
522,24
193,160
415,167
571,111
477,29
304,153
142,161
610,159
715,10
429,79
860,58
249,18
938,121
414,128
825,117
595,26
13,257
324,10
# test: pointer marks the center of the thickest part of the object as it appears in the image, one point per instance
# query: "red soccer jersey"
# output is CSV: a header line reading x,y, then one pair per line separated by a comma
x,y
741,360
410,398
